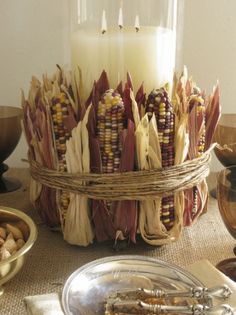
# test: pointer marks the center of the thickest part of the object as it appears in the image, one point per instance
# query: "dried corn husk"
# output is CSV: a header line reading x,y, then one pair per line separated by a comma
x,y
37,126
78,229
154,150
213,112
125,215
150,225
40,134
181,140
141,100
181,151
201,126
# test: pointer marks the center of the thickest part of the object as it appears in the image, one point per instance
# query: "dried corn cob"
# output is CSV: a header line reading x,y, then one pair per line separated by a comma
x,y
158,103
59,112
110,124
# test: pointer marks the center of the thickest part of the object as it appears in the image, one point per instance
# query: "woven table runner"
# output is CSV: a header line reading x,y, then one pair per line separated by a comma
x,y
52,260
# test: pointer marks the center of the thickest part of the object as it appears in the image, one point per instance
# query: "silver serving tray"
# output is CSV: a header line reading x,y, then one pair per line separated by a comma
x,y
88,287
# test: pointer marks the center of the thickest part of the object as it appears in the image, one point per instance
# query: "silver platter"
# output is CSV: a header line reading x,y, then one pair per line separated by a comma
x,y
89,286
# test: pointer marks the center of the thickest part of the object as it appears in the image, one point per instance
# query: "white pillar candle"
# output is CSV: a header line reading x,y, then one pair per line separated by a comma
x,y
149,55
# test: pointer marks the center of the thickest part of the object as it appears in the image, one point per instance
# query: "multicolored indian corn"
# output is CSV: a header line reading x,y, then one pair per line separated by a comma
x,y
59,112
110,123
158,103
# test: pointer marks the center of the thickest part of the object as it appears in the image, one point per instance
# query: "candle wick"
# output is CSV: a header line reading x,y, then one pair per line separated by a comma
x,y
120,19
137,24
78,12
104,22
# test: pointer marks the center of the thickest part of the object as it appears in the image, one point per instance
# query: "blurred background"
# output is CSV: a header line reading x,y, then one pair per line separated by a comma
x,y
34,36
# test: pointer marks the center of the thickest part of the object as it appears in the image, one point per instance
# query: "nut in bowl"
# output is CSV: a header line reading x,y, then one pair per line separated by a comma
x,y
17,235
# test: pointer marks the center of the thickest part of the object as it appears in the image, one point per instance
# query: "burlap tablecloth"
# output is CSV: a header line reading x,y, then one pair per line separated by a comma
x,y
52,260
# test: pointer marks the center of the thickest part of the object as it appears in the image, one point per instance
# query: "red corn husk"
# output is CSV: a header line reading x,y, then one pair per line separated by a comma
x,y
127,100
104,228
140,98
125,219
37,129
126,211
119,88
47,206
70,121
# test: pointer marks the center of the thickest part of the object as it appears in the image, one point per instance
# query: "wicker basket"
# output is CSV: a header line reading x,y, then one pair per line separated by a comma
x,y
108,167
142,186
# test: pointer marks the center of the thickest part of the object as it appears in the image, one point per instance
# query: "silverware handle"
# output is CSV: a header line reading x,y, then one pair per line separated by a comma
x,y
136,307
220,292
197,309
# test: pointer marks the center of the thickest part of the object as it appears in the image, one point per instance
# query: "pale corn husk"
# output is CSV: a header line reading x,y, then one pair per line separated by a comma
x,y
181,140
150,225
202,189
77,227
142,110
35,187
154,150
142,143
77,84
35,88
134,109
85,142
47,83
181,151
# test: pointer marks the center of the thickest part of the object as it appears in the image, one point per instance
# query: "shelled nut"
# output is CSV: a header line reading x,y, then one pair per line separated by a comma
x,y
13,236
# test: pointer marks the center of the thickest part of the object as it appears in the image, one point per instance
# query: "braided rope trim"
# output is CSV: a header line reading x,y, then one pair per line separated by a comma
x,y
136,185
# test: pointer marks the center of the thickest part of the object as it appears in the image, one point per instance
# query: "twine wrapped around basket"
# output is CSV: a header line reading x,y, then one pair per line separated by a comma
x,y
136,185
144,173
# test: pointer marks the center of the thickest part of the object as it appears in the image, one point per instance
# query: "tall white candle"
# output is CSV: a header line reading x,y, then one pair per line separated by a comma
x,y
149,55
